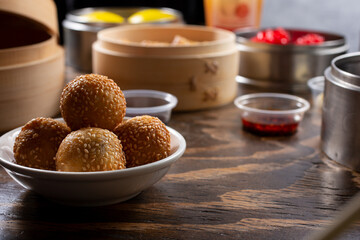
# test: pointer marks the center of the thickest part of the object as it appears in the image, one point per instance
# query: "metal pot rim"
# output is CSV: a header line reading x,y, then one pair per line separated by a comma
x,y
74,15
336,40
342,74
328,73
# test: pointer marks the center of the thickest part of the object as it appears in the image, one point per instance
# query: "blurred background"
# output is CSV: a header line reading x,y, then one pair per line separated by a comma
x,y
322,15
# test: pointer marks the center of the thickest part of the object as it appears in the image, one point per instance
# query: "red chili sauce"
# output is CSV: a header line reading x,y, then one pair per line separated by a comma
x,y
274,128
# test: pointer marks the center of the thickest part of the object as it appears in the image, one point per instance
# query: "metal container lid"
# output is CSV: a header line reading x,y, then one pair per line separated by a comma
x,y
346,68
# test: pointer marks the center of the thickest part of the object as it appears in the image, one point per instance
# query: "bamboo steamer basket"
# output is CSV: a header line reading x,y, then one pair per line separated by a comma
x,y
34,52
30,90
32,63
201,76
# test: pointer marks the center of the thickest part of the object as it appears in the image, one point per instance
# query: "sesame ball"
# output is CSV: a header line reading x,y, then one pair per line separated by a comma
x,y
145,139
92,100
90,149
38,141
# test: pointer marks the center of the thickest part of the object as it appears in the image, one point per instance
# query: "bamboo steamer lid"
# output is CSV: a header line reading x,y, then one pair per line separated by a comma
x,y
30,32
41,11
26,40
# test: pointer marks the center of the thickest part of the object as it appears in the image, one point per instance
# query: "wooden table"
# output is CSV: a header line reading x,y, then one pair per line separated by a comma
x,y
229,184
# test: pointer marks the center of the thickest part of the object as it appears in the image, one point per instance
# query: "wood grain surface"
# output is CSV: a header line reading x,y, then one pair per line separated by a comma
x,y
229,184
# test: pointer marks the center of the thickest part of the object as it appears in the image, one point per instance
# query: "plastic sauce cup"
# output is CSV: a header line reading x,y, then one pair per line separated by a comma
x,y
149,102
271,114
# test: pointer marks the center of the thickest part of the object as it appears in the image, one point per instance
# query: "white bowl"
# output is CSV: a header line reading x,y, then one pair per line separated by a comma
x,y
88,188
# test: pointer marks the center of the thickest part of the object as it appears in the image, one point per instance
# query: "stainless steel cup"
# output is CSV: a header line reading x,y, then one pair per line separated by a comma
x,y
340,131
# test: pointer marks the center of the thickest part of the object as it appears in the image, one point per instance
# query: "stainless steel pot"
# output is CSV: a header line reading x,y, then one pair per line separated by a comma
x,y
79,35
340,131
285,67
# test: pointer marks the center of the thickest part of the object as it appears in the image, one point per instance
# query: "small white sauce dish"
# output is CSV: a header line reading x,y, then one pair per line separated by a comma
x,y
149,102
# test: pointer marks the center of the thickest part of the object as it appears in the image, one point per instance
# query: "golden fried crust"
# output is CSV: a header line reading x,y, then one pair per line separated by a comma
x,y
92,100
38,141
90,149
145,139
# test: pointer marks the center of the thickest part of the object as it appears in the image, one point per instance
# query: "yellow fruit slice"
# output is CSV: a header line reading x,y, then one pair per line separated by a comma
x,y
150,15
103,16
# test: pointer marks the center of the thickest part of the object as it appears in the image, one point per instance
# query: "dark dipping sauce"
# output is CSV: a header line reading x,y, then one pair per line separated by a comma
x,y
141,102
276,127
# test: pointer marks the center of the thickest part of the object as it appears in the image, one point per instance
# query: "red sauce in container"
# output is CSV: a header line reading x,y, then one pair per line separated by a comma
x,y
271,114
274,128
283,37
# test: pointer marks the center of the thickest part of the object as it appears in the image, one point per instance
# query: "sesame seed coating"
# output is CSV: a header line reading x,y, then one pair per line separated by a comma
x,y
89,150
92,100
145,139
38,141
